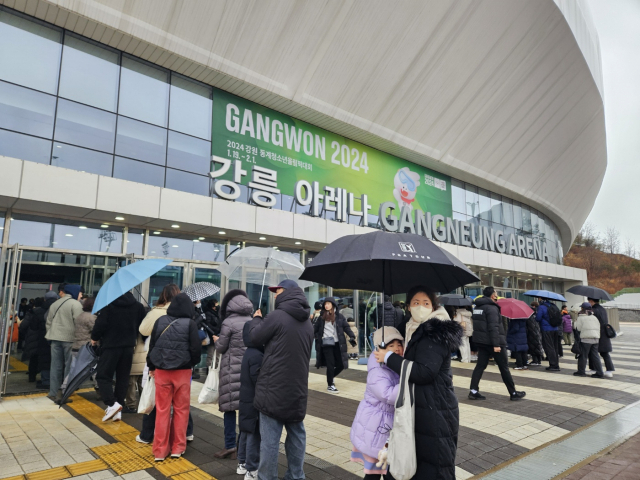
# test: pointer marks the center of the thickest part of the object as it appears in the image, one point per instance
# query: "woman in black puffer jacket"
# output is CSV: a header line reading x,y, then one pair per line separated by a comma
x,y
430,339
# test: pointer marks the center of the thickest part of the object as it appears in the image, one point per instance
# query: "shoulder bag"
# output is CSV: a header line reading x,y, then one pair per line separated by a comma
x,y
403,462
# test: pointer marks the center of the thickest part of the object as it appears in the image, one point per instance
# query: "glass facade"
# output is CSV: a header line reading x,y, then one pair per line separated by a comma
x,y
71,102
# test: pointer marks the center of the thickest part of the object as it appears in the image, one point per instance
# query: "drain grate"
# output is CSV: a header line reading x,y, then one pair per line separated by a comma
x,y
559,457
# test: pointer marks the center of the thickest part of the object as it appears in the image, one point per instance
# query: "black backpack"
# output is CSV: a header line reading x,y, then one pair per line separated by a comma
x,y
555,317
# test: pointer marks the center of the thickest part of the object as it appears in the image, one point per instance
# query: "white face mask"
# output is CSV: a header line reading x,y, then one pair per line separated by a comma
x,y
421,313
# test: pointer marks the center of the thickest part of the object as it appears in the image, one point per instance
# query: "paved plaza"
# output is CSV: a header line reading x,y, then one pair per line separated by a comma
x,y
43,442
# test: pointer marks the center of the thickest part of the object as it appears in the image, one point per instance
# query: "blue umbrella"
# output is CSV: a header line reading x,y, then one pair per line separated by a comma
x,y
545,294
126,278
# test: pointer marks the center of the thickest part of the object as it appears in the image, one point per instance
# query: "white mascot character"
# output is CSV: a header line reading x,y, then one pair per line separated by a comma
x,y
406,183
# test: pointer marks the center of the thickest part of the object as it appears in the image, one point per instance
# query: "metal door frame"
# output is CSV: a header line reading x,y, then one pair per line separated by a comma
x,y
11,277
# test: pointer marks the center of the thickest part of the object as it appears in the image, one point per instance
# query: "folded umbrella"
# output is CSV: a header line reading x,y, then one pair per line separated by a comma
x,y
85,366
455,300
545,294
514,308
127,278
590,292
200,290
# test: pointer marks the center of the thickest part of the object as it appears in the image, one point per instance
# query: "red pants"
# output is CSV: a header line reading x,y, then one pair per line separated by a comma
x,y
173,387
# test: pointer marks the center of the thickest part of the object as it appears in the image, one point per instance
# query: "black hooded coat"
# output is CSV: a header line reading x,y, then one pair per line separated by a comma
x,y
251,363
342,327
117,324
437,417
177,345
286,333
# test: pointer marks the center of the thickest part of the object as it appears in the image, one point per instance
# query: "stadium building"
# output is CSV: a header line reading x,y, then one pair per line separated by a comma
x,y
140,129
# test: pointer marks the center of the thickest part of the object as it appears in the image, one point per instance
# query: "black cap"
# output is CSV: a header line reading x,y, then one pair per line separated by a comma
x,y
283,284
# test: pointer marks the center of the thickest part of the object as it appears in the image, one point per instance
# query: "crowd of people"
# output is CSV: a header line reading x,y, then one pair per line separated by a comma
x,y
264,365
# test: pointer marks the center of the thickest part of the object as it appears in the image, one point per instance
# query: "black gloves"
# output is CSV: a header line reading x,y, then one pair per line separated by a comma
x,y
353,343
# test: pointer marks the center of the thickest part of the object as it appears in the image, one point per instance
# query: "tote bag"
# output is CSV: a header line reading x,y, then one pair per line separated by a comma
x,y
148,397
211,388
402,440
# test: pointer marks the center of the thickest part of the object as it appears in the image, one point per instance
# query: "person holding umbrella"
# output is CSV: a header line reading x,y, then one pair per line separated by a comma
x,y
491,339
331,344
604,345
430,339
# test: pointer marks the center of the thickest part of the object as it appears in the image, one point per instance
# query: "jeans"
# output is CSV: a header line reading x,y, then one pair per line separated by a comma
x,y
60,364
484,352
333,359
173,388
549,341
249,449
294,445
45,376
589,351
115,360
149,426
230,429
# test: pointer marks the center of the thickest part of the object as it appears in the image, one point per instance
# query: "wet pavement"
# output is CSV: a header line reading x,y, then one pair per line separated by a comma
x,y
40,441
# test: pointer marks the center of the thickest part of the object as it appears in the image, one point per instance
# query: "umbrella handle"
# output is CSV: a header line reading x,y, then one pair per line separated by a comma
x,y
264,275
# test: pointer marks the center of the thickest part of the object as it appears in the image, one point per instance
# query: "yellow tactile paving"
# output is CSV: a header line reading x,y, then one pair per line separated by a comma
x,y
193,475
52,474
175,466
126,437
109,449
129,466
16,365
83,468
19,477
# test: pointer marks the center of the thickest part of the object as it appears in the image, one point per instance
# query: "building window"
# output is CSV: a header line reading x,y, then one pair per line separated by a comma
x,y
193,248
191,106
135,241
189,153
30,53
89,73
141,141
76,158
187,182
144,92
140,172
27,111
85,126
16,145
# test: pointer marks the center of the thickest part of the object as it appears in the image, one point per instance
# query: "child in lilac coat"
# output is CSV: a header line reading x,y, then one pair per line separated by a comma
x,y
374,418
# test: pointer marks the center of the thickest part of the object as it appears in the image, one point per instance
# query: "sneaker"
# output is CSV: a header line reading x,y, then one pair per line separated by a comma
x,y
251,475
159,459
553,369
129,410
117,417
579,374
242,469
534,364
111,411
608,374
140,440
176,455
517,396
591,372
332,389
474,358
189,438
595,375
476,396
518,368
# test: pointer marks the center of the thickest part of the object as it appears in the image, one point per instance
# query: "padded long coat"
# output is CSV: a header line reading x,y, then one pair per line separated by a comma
x,y
231,345
437,417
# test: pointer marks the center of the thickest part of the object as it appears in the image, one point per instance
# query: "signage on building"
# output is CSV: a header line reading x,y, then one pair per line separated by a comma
x,y
271,153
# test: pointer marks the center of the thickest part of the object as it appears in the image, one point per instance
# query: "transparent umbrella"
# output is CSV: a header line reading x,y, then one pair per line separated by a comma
x,y
264,266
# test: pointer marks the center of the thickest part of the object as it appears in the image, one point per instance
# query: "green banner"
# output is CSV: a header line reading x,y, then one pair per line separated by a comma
x,y
296,150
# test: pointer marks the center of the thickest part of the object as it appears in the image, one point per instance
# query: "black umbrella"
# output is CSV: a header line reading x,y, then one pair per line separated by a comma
x,y
85,366
455,300
590,292
388,263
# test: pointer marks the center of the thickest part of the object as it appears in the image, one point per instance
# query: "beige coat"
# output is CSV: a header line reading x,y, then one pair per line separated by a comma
x,y
588,326
84,325
61,319
146,327
463,317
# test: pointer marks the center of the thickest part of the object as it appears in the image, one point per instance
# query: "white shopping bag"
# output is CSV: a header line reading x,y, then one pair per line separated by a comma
x,y
148,397
402,440
210,390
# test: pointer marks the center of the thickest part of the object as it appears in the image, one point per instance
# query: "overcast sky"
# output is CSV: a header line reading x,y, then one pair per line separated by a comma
x,y
618,25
